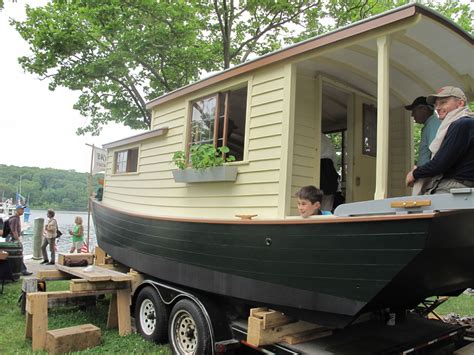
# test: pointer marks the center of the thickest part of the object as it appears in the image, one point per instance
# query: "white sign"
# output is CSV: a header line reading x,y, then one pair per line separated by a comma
x,y
100,160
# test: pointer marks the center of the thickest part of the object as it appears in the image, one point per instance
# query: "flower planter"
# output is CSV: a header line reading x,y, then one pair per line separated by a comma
x,y
214,174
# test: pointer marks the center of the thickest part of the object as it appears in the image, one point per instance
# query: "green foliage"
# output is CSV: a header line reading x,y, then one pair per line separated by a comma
x,y
117,54
121,54
12,337
203,156
46,188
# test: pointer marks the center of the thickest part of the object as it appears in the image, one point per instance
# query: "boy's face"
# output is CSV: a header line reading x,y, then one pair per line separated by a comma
x,y
306,208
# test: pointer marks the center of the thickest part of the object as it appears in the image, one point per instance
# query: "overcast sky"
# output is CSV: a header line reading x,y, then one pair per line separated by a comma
x,y
38,125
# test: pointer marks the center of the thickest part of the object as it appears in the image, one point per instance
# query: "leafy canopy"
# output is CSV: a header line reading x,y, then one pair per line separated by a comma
x,y
119,54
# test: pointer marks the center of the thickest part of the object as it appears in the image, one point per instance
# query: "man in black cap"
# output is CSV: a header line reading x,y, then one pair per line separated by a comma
x,y
424,114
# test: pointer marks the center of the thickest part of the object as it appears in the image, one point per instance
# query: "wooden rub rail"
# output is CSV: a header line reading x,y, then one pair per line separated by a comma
x,y
93,280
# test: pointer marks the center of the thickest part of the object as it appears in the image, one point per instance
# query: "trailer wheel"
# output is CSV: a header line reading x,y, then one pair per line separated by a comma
x,y
151,316
189,330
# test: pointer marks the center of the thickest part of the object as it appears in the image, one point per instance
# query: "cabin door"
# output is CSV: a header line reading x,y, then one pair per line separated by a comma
x,y
365,148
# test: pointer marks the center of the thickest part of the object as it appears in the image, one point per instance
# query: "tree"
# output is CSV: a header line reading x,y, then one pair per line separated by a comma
x,y
118,54
121,53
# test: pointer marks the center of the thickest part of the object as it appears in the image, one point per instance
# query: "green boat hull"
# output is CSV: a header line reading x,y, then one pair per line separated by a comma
x,y
325,271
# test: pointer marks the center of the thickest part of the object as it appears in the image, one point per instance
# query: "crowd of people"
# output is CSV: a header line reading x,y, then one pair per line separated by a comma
x,y
49,235
445,159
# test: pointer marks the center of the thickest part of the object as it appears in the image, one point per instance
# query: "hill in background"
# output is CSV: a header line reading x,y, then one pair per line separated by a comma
x,y
47,188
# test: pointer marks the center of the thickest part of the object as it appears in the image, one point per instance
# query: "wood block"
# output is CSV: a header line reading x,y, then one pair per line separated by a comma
x,y
271,318
123,311
258,335
70,339
52,275
137,279
112,318
99,256
65,258
77,285
97,273
307,336
465,350
37,323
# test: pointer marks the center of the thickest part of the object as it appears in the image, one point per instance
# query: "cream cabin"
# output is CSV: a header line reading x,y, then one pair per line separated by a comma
x,y
271,111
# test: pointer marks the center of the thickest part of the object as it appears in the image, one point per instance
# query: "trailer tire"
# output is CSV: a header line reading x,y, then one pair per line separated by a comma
x,y
151,316
189,330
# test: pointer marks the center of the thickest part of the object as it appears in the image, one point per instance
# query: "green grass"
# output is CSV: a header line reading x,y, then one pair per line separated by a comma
x,y
12,324
462,305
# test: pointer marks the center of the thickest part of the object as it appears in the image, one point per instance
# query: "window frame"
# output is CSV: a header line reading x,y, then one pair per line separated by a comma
x,y
217,95
127,161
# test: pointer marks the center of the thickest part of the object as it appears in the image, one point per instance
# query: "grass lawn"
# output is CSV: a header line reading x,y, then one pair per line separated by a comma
x,y
12,323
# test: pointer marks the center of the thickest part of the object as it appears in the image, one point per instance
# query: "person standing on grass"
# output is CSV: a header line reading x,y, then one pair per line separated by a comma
x,y
49,238
77,233
15,234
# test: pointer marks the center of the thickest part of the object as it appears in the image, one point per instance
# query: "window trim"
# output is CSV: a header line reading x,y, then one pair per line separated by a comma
x,y
217,93
115,172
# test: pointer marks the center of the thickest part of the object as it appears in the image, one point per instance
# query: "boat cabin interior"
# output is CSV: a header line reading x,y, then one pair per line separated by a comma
x,y
352,84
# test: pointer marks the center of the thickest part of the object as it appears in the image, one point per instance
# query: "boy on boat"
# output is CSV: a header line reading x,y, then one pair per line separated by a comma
x,y
309,201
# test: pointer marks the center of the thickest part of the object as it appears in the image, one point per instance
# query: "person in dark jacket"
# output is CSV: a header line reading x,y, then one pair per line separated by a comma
x,y
452,165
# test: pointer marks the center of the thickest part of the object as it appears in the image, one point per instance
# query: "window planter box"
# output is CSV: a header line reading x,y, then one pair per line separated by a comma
x,y
214,174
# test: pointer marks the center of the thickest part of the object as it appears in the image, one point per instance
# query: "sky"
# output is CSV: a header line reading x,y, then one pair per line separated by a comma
x,y
38,125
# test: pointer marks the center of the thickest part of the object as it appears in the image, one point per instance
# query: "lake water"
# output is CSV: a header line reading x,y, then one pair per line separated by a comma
x,y
65,222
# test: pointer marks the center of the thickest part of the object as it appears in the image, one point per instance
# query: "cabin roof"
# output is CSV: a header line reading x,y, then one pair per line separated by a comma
x,y
425,39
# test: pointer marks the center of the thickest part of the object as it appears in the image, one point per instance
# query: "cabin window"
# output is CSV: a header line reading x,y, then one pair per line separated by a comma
x,y
369,134
220,120
126,161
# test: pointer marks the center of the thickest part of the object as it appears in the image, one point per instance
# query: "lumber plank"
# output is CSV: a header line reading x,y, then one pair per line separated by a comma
x,y
112,319
257,335
79,285
38,308
99,256
123,312
97,273
466,350
52,275
297,338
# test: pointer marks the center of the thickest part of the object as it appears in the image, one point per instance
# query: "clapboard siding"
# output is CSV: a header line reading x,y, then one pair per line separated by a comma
x,y
153,190
304,150
399,152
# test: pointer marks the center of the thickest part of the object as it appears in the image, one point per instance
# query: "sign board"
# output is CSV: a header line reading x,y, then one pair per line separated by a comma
x,y
100,160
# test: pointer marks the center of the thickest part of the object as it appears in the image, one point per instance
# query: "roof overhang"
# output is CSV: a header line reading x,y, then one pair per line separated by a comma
x,y
425,36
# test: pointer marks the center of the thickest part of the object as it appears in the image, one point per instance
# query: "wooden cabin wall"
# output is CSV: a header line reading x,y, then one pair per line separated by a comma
x,y
304,170
256,191
400,147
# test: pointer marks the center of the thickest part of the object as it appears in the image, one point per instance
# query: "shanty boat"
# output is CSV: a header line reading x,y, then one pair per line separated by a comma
x,y
389,251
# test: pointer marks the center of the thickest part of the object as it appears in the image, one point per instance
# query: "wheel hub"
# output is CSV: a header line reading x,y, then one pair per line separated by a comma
x,y
147,317
185,333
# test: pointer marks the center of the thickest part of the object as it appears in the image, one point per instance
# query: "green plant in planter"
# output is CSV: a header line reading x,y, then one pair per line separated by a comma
x,y
202,157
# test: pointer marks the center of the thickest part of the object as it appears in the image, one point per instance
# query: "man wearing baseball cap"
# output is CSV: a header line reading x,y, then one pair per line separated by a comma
x,y
15,234
424,114
452,165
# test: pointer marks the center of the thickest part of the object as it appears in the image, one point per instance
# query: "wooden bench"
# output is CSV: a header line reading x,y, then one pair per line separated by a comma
x,y
95,282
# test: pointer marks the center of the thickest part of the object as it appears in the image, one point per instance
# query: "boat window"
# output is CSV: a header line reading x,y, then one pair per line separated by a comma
x,y
220,120
126,161
369,134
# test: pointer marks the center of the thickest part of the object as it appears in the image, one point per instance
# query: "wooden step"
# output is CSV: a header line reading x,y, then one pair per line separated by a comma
x,y
70,339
